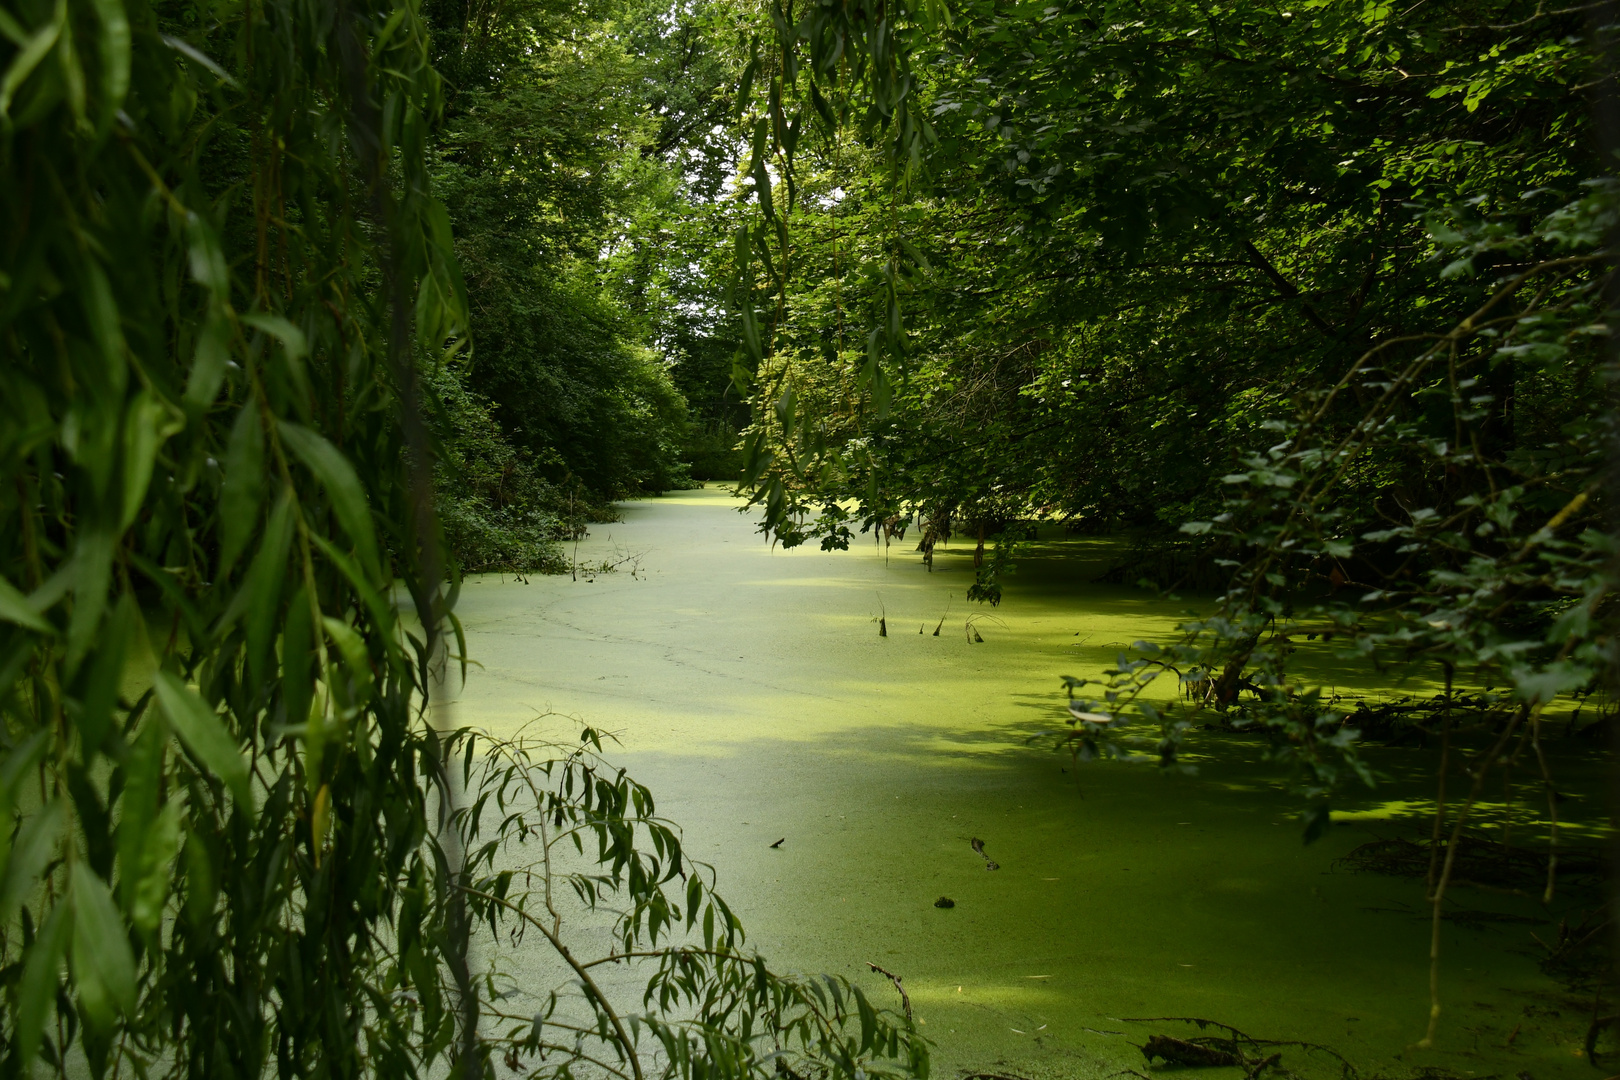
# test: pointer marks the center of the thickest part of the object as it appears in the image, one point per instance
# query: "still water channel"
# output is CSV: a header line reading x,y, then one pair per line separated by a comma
x,y
751,690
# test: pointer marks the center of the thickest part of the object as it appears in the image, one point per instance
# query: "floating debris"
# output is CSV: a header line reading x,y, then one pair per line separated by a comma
x,y
943,902
905,998
1203,1054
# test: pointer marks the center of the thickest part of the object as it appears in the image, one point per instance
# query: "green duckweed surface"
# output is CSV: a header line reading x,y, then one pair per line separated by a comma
x,y
751,690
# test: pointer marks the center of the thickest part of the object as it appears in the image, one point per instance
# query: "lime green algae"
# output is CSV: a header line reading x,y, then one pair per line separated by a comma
x,y
749,687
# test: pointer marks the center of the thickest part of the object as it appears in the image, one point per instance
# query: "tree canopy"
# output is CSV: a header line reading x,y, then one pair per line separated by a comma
x,y
1313,303
309,309
240,384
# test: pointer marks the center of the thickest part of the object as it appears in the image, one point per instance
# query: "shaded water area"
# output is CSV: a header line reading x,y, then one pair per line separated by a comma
x,y
751,690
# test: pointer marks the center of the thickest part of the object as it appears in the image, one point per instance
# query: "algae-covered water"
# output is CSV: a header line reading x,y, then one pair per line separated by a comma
x,y
750,689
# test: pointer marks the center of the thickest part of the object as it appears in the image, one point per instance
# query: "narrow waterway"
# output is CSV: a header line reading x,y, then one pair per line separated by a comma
x,y
751,690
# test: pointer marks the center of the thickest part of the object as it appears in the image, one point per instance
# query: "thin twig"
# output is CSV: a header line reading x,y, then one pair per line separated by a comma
x,y
592,990
905,998
1440,792
1480,770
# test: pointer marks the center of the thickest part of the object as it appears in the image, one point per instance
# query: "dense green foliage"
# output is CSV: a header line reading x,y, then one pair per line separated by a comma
x,y
1137,238
1326,288
208,306
533,161
307,309
577,145
233,332
1328,279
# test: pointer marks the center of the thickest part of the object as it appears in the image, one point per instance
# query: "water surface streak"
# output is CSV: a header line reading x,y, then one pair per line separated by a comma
x,y
752,691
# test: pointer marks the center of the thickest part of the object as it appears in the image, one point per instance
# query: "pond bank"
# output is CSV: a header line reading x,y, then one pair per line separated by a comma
x,y
751,690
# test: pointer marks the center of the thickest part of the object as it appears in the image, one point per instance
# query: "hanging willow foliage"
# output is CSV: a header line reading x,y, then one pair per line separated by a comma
x,y
218,245
836,67
230,841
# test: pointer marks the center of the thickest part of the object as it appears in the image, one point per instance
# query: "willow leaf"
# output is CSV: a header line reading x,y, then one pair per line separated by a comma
x,y
204,734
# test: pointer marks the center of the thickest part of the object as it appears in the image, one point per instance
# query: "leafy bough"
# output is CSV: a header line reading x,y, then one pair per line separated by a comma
x,y
558,841
1488,582
1504,581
